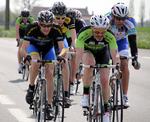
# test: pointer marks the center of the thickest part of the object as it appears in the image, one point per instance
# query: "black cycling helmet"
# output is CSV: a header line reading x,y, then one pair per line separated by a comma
x,y
25,13
59,8
71,13
45,16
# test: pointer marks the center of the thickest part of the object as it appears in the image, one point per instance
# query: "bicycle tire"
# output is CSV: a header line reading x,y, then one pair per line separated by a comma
x,y
25,72
117,103
99,105
42,103
59,101
91,102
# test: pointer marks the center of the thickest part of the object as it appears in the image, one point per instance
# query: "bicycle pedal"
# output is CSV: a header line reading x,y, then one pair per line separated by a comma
x,y
31,106
85,111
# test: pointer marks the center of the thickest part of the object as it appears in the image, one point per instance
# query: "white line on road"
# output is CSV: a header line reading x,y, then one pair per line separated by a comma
x,y
20,115
146,57
5,100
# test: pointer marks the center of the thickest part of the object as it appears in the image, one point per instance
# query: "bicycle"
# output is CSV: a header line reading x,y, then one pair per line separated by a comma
x,y
116,106
58,95
40,100
95,110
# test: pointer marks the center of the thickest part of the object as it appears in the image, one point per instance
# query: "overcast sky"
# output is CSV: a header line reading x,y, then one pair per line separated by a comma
x,y
97,6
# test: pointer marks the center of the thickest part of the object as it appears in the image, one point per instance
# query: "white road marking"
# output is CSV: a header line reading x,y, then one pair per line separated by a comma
x,y
146,57
5,100
20,115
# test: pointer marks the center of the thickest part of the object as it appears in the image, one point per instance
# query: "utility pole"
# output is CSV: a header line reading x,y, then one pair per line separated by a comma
x,y
7,15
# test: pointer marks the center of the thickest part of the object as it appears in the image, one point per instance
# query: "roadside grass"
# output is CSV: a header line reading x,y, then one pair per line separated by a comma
x,y
143,36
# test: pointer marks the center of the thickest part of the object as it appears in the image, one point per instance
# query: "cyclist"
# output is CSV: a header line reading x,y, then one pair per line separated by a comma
x,y
59,10
79,23
39,37
21,23
91,49
123,24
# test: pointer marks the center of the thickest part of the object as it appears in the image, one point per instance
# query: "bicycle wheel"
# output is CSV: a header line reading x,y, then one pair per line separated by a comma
x,y
25,72
59,101
91,117
117,102
42,107
99,105
36,98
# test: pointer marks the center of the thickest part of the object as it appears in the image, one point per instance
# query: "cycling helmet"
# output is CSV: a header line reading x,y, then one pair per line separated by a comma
x,y
120,10
99,21
45,16
59,8
71,13
25,13
78,14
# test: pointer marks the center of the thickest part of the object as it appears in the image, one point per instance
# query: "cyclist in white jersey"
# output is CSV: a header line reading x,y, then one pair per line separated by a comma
x,y
122,25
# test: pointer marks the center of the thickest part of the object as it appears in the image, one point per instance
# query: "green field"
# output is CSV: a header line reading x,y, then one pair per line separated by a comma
x,y
143,36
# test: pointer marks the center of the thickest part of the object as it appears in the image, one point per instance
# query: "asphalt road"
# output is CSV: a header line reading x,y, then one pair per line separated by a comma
x,y
13,107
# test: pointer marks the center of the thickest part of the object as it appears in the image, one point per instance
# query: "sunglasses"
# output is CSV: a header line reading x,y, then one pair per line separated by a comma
x,y
25,18
60,18
101,32
120,18
44,26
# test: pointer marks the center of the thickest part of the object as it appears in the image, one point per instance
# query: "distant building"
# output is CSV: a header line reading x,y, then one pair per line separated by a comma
x,y
85,14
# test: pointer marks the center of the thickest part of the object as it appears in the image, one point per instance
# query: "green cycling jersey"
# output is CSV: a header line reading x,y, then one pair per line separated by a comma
x,y
23,25
86,40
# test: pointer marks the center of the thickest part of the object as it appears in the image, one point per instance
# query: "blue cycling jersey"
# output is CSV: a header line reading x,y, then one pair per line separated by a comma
x,y
127,28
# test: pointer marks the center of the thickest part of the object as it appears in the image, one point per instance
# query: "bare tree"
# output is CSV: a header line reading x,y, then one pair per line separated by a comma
x,y
131,7
142,12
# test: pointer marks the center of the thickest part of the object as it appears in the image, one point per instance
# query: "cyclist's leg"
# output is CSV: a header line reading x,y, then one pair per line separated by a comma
x,y
65,70
32,50
123,49
19,55
88,59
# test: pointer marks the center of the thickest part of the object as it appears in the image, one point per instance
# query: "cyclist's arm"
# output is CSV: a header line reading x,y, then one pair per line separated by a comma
x,y
115,56
17,30
133,44
79,55
24,48
62,48
73,36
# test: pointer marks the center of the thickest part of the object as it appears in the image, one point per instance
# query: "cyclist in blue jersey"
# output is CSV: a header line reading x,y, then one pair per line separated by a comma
x,y
122,25
39,38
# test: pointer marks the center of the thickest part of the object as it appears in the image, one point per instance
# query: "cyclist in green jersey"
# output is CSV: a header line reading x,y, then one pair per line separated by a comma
x,y
92,48
21,24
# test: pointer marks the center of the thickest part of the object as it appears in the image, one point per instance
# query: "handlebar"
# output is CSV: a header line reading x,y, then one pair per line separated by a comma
x,y
45,61
98,66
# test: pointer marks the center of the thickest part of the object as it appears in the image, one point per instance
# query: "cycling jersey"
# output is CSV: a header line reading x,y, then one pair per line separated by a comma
x,y
22,25
42,42
99,49
127,28
86,40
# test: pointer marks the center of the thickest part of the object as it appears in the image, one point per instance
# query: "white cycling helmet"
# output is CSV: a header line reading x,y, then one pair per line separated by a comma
x,y
99,21
120,10
78,14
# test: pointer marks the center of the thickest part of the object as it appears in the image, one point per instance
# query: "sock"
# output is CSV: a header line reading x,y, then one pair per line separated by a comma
x,y
66,93
86,90
124,95
31,87
71,83
20,65
106,106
